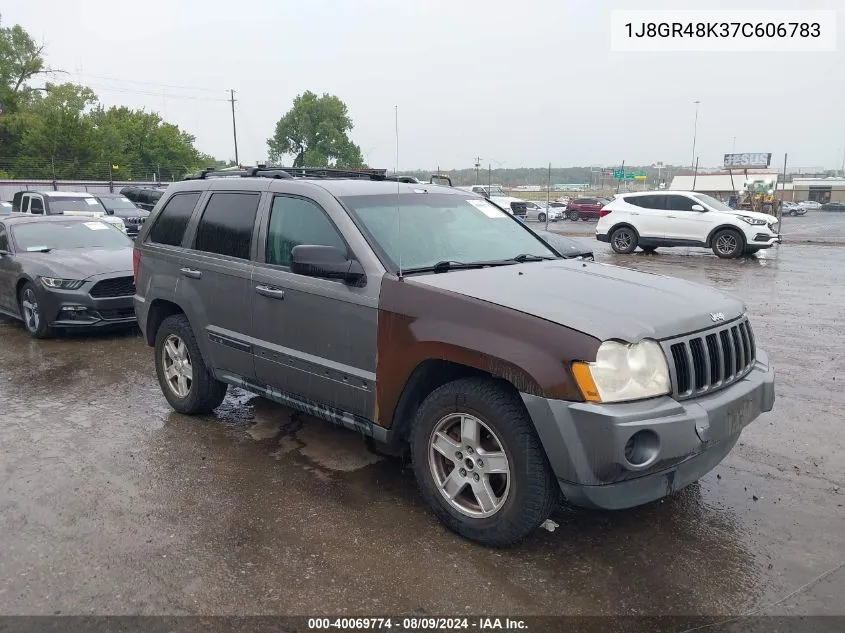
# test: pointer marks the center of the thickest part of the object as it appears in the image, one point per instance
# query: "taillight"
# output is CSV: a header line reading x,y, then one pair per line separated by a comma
x,y
604,212
136,261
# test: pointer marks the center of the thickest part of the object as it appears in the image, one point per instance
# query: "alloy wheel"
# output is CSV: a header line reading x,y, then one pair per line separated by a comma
x,y
622,239
469,465
726,244
31,316
176,361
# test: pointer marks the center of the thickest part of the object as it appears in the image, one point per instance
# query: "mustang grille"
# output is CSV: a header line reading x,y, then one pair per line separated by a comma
x,y
115,287
707,361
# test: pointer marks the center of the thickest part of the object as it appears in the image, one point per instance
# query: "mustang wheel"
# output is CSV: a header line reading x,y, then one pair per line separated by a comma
x,y
33,319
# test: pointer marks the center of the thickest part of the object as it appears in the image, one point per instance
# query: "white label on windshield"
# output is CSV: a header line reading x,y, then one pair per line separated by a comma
x,y
93,202
96,226
487,209
35,249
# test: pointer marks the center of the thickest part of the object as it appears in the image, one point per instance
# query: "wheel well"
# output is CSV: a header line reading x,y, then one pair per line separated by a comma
x,y
19,286
426,377
622,225
725,226
160,309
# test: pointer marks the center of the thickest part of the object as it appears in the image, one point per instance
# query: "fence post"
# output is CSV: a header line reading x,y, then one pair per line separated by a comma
x,y
111,179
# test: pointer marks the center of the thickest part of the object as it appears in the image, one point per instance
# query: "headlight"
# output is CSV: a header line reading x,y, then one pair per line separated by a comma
x,y
61,284
624,372
753,221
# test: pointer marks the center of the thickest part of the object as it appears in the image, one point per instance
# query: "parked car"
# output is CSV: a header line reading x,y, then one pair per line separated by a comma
x,y
811,205
833,206
684,218
583,209
70,203
64,272
120,206
538,211
498,196
793,209
5,207
437,321
567,247
143,197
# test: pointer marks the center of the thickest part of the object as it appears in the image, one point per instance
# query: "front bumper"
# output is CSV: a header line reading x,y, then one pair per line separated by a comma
x,y
586,443
78,309
765,240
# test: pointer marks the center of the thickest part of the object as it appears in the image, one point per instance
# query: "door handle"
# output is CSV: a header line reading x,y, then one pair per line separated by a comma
x,y
634,213
190,272
672,216
272,293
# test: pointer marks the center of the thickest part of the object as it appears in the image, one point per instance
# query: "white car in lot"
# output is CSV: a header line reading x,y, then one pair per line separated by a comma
x,y
811,205
538,211
651,219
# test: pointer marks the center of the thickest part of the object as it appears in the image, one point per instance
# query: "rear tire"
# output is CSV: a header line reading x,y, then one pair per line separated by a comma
x,y
623,240
574,216
518,495
185,380
541,217
728,244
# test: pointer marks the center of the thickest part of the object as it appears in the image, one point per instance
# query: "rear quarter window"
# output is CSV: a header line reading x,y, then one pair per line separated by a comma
x,y
170,225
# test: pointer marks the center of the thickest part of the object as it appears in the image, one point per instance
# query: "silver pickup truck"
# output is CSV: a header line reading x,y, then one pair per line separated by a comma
x,y
426,317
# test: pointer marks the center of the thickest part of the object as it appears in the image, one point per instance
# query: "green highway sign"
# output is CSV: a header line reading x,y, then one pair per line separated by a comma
x,y
619,174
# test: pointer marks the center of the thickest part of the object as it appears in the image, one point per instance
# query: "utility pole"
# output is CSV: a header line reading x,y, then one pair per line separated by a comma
x,y
477,166
694,132
695,174
234,127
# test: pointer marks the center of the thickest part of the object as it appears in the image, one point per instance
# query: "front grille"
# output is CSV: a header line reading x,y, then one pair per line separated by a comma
x,y
519,208
116,287
117,313
707,361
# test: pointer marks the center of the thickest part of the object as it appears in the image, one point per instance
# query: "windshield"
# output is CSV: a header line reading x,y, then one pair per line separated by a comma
x,y
118,203
59,205
425,229
36,236
711,202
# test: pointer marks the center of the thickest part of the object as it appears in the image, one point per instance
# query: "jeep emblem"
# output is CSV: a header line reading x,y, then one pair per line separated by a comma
x,y
717,316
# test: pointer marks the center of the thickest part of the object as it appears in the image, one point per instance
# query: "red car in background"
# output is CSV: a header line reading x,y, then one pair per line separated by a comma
x,y
584,208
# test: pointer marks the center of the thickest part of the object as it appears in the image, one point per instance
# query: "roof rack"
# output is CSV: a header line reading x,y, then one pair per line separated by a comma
x,y
263,171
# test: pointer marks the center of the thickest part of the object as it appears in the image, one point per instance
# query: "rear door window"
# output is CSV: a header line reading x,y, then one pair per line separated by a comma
x,y
226,224
170,225
679,203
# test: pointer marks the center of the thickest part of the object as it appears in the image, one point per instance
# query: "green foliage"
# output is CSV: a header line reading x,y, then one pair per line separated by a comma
x,y
315,131
63,131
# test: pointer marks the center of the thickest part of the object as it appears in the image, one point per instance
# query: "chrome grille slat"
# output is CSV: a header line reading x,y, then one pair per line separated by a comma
x,y
710,360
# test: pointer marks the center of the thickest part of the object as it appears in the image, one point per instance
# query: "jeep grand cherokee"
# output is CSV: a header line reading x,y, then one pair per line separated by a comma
x,y
426,316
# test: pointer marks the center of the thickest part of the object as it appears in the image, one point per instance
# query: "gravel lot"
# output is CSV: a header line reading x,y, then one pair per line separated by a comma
x,y
110,503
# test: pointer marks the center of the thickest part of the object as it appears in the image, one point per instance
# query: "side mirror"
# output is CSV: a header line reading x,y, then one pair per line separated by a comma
x,y
327,262
698,207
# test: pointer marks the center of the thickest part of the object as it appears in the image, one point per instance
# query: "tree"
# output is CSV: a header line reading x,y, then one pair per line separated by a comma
x,y
315,131
21,59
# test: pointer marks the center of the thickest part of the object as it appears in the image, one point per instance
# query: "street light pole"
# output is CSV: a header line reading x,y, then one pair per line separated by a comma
x,y
694,132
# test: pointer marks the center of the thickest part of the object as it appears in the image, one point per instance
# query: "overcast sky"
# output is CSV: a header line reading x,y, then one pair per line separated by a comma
x,y
519,83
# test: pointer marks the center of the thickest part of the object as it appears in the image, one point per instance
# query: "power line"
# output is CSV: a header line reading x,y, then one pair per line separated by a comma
x,y
153,94
147,83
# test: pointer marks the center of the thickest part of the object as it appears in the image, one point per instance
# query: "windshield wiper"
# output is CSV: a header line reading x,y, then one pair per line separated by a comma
x,y
451,264
527,257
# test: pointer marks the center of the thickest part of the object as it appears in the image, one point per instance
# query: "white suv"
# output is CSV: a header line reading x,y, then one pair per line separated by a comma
x,y
683,218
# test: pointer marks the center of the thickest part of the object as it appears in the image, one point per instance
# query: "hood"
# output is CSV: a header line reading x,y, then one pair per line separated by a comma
x,y
81,263
608,302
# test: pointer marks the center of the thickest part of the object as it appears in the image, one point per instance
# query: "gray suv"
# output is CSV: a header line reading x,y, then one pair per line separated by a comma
x,y
426,317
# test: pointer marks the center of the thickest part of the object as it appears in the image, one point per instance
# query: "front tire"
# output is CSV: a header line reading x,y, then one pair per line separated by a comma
x,y
574,216
33,319
623,240
541,217
185,380
728,244
479,463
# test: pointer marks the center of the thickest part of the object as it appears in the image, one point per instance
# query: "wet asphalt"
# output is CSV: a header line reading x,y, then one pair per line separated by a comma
x,y
111,503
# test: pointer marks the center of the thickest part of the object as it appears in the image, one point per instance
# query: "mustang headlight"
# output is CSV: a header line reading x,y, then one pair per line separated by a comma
x,y
624,372
61,284
752,221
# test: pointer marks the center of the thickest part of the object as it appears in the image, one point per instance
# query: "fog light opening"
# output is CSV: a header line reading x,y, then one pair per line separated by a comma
x,y
641,448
